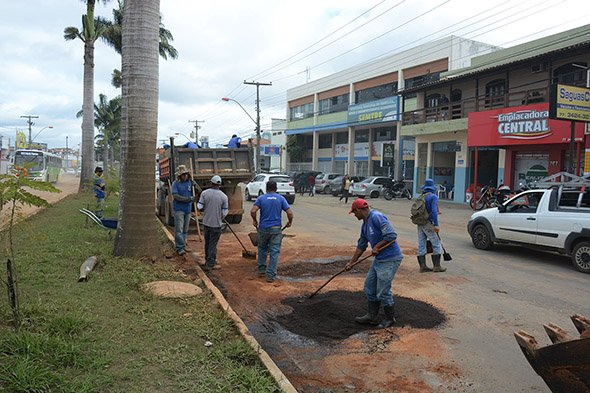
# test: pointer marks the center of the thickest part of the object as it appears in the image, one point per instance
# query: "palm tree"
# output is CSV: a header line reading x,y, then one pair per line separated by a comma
x,y
112,36
137,234
88,35
107,120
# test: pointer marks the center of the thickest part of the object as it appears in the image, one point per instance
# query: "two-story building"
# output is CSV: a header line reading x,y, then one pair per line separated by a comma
x,y
342,122
489,122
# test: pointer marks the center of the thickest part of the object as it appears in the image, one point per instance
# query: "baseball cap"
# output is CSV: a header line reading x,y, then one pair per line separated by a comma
x,y
216,179
359,203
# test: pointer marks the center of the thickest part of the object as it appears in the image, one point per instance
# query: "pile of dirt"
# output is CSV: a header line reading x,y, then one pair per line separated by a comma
x,y
330,316
321,267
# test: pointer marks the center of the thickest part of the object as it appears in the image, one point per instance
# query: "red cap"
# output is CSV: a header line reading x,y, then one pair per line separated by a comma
x,y
359,203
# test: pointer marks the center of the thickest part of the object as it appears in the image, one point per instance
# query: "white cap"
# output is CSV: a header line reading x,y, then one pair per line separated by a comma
x,y
216,179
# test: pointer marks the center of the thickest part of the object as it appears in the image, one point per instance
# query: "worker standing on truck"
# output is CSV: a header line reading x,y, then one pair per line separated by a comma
x,y
378,231
270,235
182,191
234,142
214,204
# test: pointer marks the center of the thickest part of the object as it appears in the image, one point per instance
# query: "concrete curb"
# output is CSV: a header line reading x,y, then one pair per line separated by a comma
x,y
281,379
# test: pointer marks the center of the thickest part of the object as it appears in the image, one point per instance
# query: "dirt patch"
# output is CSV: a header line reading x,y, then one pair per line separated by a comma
x,y
173,289
330,316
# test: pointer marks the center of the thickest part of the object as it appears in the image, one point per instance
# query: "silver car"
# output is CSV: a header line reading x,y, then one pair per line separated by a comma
x,y
322,181
370,187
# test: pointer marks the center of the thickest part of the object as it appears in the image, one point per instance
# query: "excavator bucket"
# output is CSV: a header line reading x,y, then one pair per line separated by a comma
x,y
565,364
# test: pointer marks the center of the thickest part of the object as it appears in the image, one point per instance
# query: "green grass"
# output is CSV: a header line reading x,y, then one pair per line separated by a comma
x,y
106,335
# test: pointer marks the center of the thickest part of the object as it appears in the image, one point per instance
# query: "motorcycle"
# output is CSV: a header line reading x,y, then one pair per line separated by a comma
x,y
488,198
396,189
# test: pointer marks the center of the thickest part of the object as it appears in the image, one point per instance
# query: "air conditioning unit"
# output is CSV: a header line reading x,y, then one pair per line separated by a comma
x,y
539,67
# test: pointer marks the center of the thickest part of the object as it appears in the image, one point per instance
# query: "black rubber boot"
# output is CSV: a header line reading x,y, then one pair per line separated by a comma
x,y
422,263
371,317
389,317
436,263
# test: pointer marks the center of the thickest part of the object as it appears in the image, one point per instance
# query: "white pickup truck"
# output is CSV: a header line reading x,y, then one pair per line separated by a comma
x,y
552,219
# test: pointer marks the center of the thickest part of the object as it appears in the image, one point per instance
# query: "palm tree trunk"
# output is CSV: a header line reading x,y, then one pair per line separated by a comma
x,y
88,117
137,234
106,158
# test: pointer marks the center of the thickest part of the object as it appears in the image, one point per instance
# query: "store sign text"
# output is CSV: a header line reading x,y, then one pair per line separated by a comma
x,y
525,124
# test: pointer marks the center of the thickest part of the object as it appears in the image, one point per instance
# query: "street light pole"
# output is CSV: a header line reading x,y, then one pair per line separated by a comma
x,y
255,122
258,84
36,135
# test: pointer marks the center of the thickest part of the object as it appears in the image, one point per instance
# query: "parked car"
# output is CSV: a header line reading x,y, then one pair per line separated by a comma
x,y
552,220
322,181
370,187
336,184
298,176
258,186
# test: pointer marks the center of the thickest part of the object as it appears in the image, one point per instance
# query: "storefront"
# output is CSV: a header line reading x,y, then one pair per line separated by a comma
x,y
520,145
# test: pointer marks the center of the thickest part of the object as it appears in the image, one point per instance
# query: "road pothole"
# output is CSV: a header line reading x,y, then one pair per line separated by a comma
x,y
330,316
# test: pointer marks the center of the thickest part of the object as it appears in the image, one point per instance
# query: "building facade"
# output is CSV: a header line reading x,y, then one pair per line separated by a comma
x,y
343,122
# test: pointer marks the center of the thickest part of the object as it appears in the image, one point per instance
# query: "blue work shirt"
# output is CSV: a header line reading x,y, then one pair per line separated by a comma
x,y
98,187
234,142
185,189
377,228
271,206
431,201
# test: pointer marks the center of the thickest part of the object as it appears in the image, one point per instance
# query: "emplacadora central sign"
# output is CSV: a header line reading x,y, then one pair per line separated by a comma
x,y
524,124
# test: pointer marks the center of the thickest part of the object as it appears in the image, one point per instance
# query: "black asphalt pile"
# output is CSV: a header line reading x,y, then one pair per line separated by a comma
x,y
330,316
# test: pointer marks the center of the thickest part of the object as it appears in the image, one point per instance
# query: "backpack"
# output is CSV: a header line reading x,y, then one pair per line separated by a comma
x,y
419,213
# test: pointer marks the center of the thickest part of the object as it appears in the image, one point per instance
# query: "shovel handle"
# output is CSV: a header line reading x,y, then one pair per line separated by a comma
x,y
344,269
232,231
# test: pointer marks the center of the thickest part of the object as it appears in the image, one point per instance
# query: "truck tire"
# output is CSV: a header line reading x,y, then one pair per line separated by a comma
x,y
481,237
161,203
581,256
168,213
247,195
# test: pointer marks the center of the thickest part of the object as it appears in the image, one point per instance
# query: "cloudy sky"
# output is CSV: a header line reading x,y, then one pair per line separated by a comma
x,y
221,44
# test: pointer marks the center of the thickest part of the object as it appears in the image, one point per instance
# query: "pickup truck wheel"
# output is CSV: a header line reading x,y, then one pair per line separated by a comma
x,y
581,257
480,236
248,196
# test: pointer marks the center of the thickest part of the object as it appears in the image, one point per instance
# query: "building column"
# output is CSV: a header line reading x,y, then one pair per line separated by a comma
x,y
370,155
501,161
314,150
398,154
429,161
351,151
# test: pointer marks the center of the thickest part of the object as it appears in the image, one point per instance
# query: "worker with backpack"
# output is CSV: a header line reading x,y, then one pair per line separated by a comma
x,y
424,214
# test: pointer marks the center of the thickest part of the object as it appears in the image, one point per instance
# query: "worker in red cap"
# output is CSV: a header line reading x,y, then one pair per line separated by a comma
x,y
377,231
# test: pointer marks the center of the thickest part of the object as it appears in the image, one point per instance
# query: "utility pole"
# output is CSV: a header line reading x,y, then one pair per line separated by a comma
x,y
197,126
67,152
257,84
30,123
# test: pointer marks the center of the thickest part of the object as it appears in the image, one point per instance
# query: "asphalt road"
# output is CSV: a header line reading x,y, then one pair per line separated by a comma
x,y
487,295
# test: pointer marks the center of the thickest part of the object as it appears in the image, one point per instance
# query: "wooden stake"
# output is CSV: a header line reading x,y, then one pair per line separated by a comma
x,y
195,203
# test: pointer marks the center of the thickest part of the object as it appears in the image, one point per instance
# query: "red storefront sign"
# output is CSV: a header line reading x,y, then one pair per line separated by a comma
x,y
521,125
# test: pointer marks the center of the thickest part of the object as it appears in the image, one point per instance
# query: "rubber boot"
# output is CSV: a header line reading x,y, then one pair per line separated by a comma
x,y
436,263
371,317
389,317
422,263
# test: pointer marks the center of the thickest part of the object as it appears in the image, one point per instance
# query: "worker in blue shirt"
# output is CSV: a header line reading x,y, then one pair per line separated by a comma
x,y
99,188
234,142
429,231
182,191
377,231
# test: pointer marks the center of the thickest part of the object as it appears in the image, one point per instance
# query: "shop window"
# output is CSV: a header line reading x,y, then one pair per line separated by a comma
x,y
495,94
325,141
569,74
341,137
301,112
334,104
361,136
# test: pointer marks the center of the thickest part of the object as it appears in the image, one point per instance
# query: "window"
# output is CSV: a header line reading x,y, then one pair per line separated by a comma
x,y
422,79
375,93
325,141
569,74
384,134
527,203
495,92
301,112
381,181
334,104
341,137
361,136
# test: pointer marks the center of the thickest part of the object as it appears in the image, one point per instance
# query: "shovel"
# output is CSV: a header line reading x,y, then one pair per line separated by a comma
x,y
245,252
254,236
344,269
446,256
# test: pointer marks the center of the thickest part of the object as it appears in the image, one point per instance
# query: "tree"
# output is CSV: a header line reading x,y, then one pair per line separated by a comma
x,y
137,234
112,37
107,120
88,35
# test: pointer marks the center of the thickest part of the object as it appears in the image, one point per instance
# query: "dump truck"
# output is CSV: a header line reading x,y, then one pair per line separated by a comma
x,y
233,165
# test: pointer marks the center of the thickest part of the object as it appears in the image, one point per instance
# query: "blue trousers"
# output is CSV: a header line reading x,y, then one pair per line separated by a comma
x,y
269,242
181,223
379,278
426,232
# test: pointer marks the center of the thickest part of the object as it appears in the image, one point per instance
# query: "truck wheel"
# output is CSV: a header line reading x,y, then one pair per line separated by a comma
x,y
581,256
168,213
247,194
480,236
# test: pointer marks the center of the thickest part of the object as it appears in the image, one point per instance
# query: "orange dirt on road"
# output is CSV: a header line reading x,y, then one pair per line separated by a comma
x,y
316,342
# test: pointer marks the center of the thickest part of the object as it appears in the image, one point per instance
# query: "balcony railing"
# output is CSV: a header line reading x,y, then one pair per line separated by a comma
x,y
460,109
